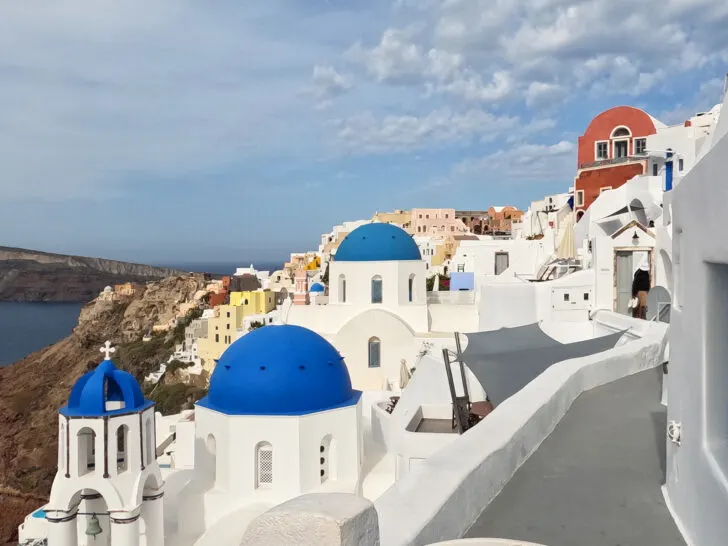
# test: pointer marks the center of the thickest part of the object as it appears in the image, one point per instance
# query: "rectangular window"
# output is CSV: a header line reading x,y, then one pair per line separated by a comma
x,y
566,297
375,355
217,338
265,466
377,290
228,314
602,150
461,268
580,198
680,164
228,326
655,169
501,262
640,145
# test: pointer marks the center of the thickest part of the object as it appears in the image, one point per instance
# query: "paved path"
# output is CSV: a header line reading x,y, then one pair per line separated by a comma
x,y
595,481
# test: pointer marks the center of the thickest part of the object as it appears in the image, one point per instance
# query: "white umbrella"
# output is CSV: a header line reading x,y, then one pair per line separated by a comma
x,y
567,245
404,374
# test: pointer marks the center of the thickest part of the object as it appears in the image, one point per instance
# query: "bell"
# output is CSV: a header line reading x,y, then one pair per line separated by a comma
x,y
93,527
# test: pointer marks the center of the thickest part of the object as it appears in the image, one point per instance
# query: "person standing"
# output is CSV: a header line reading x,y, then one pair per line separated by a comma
x,y
641,288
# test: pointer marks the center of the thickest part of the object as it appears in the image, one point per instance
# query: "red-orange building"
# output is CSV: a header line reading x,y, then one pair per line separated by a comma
x,y
611,151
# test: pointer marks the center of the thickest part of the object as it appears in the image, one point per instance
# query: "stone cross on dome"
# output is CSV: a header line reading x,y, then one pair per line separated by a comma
x,y
108,350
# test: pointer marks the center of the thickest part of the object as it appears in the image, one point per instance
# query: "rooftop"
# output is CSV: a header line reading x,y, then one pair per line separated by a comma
x,y
596,479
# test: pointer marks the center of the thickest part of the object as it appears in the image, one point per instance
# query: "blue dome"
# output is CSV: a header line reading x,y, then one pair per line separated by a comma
x,y
279,370
317,287
105,384
377,243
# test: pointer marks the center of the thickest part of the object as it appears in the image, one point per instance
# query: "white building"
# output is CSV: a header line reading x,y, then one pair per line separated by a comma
x,y
697,456
541,216
280,420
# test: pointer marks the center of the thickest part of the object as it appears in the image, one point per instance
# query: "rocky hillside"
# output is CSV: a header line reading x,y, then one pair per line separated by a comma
x,y
32,390
29,275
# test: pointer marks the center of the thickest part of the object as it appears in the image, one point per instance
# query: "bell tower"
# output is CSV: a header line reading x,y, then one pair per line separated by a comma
x,y
300,296
108,488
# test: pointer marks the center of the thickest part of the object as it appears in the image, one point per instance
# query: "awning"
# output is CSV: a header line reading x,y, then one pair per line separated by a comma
x,y
504,361
625,210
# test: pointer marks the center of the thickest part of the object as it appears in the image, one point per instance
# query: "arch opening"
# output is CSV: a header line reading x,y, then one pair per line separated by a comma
x,y
86,451
263,465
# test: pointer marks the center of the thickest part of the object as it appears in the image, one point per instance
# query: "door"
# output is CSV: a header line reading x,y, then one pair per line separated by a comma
x,y
501,262
627,262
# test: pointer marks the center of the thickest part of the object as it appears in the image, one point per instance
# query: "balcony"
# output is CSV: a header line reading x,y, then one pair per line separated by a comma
x,y
614,161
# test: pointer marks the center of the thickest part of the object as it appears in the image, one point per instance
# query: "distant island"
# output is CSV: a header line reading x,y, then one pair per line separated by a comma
x,y
36,276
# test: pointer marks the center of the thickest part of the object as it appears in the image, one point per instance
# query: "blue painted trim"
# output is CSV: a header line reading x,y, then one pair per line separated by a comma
x,y
668,172
205,403
39,514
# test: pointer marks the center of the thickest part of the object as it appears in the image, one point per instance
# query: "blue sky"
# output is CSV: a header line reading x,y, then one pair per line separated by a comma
x,y
179,130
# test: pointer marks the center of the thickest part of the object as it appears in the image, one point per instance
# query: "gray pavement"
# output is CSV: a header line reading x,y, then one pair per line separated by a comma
x,y
595,481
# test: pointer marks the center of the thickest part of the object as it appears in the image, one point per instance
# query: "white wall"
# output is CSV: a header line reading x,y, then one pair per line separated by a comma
x,y
225,469
441,497
428,387
519,302
697,470
524,257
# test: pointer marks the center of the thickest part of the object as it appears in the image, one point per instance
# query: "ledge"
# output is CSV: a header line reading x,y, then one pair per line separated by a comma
x,y
442,497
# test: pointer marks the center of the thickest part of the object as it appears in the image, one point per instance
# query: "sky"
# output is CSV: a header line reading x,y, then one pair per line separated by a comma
x,y
188,131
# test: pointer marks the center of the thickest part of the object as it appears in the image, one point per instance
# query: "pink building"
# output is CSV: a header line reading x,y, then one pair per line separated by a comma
x,y
436,222
300,295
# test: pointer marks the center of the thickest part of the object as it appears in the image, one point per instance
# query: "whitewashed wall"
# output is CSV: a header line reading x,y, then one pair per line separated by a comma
x,y
697,470
441,497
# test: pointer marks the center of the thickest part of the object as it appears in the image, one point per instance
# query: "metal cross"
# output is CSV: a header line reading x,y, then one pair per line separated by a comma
x,y
108,350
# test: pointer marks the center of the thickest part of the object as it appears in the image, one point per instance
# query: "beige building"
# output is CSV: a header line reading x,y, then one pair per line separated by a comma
x,y
402,218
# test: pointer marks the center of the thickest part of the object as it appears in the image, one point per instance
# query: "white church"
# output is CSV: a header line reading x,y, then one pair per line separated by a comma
x,y
280,420
377,313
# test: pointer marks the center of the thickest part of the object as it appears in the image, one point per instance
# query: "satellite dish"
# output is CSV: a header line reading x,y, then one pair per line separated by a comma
x,y
658,304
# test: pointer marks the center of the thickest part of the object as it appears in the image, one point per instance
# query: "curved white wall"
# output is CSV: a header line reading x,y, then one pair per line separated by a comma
x,y
444,495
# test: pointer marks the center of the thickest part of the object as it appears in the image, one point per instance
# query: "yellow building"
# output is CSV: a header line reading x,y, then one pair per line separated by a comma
x,y
221,332
258,302
222,329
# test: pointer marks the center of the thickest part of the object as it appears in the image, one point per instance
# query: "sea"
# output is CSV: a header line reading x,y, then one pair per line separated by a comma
x,y
29,327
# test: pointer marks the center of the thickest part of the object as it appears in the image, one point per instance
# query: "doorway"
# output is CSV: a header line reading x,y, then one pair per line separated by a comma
x,y
621,148
626,263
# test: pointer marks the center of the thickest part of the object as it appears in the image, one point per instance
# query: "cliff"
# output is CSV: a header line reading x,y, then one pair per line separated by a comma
x,y
32,390
29,275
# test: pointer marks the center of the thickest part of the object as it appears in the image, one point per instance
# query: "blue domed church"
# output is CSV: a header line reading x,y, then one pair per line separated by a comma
x,y
280,419
377,303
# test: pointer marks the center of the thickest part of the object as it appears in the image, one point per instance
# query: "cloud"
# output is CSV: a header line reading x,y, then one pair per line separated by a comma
x,y
544,51
366,133
327,83
708,95
102,98
524,162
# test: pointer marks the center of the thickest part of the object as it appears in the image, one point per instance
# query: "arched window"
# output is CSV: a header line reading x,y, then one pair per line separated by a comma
x,y
327,459
342,289
86,453
151,448
377,289
122,443
375,352
211,445
621,132
263,465
411,288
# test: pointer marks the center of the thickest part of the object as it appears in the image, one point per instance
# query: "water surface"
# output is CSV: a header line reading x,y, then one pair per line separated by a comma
x,y
28,327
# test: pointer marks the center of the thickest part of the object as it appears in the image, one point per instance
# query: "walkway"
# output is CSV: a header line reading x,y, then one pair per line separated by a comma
x,y
596,479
